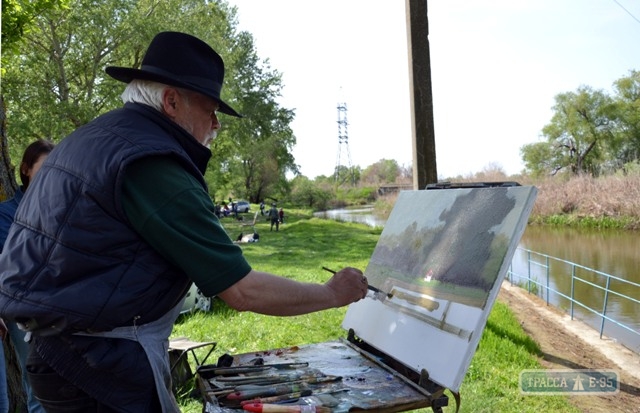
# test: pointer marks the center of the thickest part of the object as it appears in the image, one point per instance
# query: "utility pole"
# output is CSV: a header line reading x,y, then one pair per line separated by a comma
x,y
424,146
343,148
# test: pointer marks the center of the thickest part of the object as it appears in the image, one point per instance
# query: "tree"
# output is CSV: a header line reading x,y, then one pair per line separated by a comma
x,y
385,171
590,131
58,83
578,134
311,194
17,18
626,113
343,174
541,158
255,153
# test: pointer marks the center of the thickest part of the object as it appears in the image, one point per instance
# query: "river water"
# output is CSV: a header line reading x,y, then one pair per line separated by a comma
x,y
612,252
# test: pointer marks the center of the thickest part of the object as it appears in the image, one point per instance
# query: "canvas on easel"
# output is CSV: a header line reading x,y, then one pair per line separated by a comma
x,y
441,258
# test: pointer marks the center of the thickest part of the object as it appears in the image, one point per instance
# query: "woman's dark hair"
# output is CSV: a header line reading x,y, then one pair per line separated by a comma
x,y
31,155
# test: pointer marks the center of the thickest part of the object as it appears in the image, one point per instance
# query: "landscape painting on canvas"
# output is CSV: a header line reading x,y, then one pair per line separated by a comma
x,y
441,258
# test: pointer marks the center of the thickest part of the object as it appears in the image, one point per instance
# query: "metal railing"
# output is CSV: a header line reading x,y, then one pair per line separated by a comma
x,y
538,280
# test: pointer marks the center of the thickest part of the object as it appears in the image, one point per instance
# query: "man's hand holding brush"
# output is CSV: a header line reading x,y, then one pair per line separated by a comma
x,y
349,285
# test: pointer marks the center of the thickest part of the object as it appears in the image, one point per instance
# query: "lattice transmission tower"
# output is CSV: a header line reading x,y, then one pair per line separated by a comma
x,y
344,170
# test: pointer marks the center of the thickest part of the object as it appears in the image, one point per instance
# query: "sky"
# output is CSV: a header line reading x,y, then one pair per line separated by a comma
x,y
496,67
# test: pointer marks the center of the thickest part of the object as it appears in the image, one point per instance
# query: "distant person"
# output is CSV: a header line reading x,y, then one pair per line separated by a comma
x,y
274,217
262,208
117,226
281,215
32,160
234,208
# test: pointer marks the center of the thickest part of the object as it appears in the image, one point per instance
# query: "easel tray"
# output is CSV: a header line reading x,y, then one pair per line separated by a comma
x,y
349,379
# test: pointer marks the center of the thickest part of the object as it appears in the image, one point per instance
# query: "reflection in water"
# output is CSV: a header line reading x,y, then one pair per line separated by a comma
x,y
612,252
362,215
608,252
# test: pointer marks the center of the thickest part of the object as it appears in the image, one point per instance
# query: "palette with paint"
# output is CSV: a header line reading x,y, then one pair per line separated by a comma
x,y
441,259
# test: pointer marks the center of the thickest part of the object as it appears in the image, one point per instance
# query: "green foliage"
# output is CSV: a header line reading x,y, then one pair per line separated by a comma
x,y
631,169
311,194
578,221
626,146
579,129
539,158
348,195
262,142
17,17
344,175
590,131
384,171
55,82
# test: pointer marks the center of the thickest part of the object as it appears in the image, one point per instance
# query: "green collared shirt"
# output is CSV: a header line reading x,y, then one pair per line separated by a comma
x,y
170,210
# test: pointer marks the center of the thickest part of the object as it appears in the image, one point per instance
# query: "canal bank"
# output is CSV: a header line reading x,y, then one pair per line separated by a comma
x,y
571,344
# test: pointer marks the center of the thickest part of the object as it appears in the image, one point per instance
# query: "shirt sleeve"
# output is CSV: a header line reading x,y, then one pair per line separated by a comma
x,y
172,212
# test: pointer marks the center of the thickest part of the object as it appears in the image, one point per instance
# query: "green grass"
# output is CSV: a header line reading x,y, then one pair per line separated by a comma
x,y
299,250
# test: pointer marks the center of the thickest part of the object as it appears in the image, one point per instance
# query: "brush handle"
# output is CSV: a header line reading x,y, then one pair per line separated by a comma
x,y
283,408
264,391
280,398
371,287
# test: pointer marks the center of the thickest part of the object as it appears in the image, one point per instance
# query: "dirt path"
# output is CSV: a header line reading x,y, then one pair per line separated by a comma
x,y
571,344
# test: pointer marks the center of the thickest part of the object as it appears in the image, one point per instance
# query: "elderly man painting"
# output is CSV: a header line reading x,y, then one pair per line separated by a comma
x,y
114,229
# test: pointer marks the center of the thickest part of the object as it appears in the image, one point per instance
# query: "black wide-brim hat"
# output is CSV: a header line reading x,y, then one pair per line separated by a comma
x,y
181,60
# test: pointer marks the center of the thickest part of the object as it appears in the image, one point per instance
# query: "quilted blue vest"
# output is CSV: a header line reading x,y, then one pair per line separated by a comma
x,y
72,261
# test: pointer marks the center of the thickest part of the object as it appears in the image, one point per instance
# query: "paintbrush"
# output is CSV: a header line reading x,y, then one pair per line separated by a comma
x,y
222,371
269,379
369,286
284,408
252,392
245,392
280,398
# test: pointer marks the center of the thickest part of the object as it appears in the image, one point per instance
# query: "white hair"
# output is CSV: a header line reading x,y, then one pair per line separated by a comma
x,y
144,91
148,93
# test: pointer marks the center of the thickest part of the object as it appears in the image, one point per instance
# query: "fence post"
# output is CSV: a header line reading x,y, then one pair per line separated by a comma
x,y
573,283
548,275
529,272
604,309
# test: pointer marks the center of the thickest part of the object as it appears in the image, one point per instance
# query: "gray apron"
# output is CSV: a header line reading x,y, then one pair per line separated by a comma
x,y
154,339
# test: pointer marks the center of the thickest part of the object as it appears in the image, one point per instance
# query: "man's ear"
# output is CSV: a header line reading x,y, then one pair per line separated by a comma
x,y
170,100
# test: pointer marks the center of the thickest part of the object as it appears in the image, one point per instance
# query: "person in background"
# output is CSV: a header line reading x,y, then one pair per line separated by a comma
x,y
281,215
117,226
274,217
32,160
262,208
4,394
234,208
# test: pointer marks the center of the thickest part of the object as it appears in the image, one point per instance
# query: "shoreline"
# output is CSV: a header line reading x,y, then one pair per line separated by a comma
x,y
572,344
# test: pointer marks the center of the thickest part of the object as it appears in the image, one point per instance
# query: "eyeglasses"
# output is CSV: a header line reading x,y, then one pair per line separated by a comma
x,y
213,114
202,102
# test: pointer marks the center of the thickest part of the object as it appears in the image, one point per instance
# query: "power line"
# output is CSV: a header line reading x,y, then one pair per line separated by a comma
x,y
628,12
